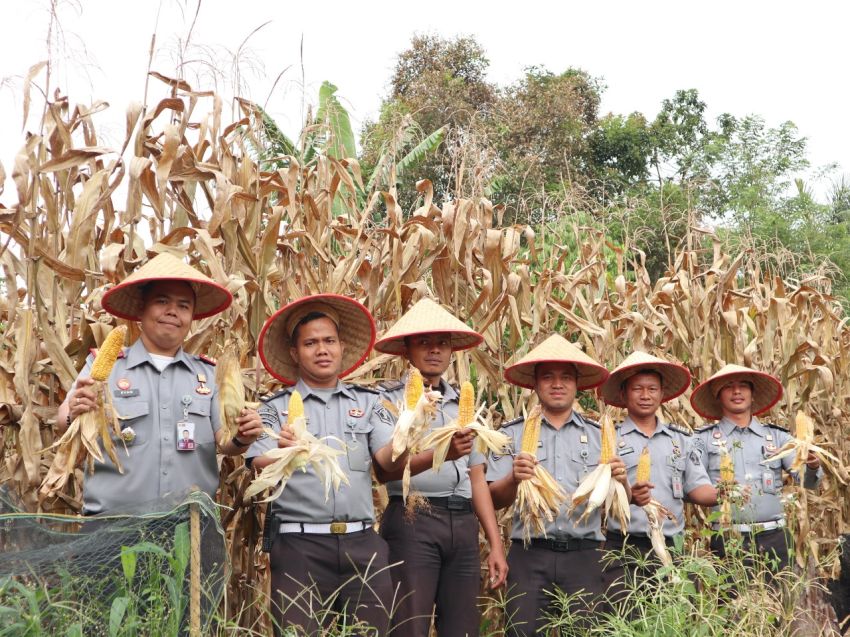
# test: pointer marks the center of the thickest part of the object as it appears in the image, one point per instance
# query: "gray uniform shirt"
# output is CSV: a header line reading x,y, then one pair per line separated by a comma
x,y
569,454
675,471
453,476
153,403
353,416
748,446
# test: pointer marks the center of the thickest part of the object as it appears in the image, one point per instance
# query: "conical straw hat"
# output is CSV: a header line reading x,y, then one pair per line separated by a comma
x,y
556,349
675,379
767,390
354,322
427,317
126,300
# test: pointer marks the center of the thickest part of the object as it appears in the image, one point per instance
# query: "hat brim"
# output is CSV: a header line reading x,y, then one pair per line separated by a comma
x,y
126,300
460,341
356,331
767,391
675,380
589,375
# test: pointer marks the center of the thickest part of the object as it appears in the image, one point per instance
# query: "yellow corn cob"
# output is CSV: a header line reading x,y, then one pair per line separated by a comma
x,y
531,432
108,353
296,408
644,466
414,388
608,438
727,468
466,409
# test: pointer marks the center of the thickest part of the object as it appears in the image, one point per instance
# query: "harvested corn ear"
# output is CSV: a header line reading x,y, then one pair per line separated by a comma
x,y
487,438
656,513
308,451
599,488
539,499
91,429
231,391
803,443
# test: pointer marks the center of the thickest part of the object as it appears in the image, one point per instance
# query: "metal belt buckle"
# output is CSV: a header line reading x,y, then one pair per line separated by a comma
x,y
339,528
456,503
560,546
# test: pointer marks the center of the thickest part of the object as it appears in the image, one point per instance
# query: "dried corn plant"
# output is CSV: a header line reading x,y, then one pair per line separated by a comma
x,y
187,181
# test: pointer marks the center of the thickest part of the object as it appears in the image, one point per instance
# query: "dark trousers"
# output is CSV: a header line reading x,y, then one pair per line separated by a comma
x,y
319,578
534,569
629,557
773,544
440,565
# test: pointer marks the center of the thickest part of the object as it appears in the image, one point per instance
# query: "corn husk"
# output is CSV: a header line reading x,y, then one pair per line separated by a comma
x,y
540,498
802,444
231,391
308,450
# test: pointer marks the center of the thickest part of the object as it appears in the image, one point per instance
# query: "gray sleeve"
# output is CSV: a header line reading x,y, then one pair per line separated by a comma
x,y
265,442
383,424
499,467
476,458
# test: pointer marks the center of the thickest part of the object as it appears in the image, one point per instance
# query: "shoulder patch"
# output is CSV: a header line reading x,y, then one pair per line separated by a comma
x,y
282,392
591,422
773,425
390,385
682,430
206,359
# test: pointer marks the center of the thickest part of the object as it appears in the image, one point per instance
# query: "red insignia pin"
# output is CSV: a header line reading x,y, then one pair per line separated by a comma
x,y
356,413
717,434
123,384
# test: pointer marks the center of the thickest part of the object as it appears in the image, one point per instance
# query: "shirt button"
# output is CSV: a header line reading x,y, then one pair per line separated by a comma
x,y
165,406
328,406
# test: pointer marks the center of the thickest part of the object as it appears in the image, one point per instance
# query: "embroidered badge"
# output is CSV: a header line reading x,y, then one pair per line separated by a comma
x,y
123,383
356,413
717,434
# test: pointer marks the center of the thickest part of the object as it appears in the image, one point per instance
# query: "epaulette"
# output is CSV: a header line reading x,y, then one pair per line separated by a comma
x,y
706,427
206,359
591,422
390,385
682,430
773,425
282,392
369,390
93,352
515,421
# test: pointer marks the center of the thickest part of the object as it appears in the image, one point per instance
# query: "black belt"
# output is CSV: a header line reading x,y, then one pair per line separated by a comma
x,y
450,503
564,545
641,539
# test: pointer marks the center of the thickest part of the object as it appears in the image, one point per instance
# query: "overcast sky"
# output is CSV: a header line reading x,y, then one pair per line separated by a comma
x,y
781,60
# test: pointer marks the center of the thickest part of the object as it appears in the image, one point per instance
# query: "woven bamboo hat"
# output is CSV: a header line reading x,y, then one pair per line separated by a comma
x,y
427,317
126,300
354,322
556,349
675,378
767,390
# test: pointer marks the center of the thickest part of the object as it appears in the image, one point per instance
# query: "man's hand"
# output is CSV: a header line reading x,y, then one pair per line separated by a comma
x,y
287,437
461,444
618,472
83,399
812,461
250,426
524,466
497,567
642,493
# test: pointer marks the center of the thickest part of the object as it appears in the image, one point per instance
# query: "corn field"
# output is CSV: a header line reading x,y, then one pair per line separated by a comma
x,y
187,181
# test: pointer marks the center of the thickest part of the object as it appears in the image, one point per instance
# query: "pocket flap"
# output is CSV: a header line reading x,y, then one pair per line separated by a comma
x,y
131,409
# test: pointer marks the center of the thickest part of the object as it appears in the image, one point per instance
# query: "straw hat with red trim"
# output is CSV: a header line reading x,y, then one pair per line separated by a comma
x,y
427,317
126,300
675,378
354,322
767,390
556,349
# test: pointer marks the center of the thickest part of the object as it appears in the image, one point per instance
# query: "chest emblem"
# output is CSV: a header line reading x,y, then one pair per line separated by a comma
x,y
202,386
123,384
356,413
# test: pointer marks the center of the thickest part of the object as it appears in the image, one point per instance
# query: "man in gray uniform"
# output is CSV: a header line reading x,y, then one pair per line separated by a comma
x,y
437,545
569,557
733,397
326,559
159,391
641,383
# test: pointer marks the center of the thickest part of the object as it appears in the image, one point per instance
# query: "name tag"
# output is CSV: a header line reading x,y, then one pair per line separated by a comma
x,y
125,393
625,451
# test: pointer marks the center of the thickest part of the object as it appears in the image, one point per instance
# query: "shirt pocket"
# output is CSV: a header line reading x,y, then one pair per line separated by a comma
x,y
133,414
199,414
584,461
357,445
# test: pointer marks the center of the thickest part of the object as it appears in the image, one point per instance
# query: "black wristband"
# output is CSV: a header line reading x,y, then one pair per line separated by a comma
x,y
239,443
68,420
